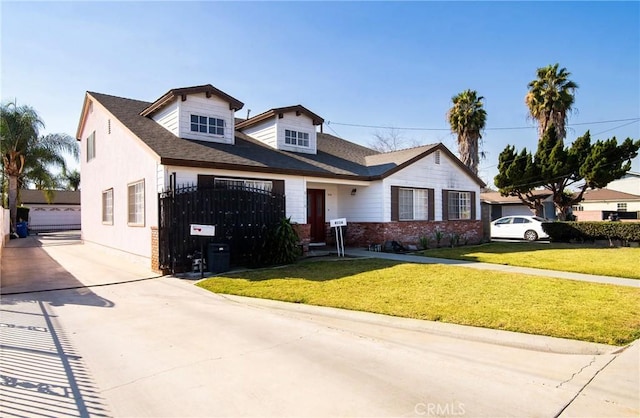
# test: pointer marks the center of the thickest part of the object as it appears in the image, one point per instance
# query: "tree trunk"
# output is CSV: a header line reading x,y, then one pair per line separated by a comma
x,y
13,201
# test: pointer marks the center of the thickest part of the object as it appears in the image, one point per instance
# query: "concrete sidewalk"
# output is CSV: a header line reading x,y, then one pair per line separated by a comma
x,y
619,281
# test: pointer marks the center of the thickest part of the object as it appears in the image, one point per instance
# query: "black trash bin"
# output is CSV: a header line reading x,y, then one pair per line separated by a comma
x,y
218,257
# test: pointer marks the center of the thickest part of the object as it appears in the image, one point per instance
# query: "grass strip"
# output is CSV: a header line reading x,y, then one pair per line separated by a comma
x,y
536,305
603,261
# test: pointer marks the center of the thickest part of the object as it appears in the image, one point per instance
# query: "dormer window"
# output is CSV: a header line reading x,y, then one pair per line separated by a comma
x,y
300,139
204,124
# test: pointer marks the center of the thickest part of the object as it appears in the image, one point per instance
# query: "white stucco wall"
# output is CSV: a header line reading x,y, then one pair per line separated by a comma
x,y
120,159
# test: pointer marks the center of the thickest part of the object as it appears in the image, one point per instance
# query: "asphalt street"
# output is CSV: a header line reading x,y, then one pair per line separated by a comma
x,y
120,341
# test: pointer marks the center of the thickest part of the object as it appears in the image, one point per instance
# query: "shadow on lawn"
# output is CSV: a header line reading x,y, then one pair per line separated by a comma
x,y
318,270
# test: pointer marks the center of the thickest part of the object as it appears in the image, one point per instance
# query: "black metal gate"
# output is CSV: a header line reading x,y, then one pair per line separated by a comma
x,y
240,214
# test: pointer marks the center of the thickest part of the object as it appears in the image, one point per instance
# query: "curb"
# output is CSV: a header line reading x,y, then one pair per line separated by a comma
x,y
463,332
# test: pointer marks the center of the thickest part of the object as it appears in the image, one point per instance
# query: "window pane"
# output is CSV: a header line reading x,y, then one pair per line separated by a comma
x,y
421,206
405,198
220,131
194,127
194,118
203,120
203,128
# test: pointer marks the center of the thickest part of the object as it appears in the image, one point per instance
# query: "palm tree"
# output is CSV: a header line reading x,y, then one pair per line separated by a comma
x,y
71,180
26,155
467,119
550,98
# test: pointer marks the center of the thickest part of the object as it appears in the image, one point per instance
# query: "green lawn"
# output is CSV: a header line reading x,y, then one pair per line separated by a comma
x,y
618,262
536,305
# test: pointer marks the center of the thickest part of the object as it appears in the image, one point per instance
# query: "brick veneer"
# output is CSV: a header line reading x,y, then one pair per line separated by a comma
x,y
155,250
304,233
409,232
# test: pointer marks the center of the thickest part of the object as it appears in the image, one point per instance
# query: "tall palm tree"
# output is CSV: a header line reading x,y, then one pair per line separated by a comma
x,y
467,119
26,155
550,99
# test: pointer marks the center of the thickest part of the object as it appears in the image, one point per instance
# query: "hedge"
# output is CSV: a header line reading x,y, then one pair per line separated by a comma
x,y
590,231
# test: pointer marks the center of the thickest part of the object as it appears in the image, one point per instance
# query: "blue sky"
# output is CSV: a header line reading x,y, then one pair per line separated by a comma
x,y
360,63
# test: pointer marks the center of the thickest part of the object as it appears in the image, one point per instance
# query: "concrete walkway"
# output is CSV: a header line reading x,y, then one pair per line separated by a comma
x,y
619,281
120,341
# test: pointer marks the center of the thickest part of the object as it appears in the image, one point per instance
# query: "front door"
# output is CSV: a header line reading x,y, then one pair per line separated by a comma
x,y
315,214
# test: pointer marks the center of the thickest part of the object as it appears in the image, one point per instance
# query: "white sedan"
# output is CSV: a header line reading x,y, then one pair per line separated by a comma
x,y
527,227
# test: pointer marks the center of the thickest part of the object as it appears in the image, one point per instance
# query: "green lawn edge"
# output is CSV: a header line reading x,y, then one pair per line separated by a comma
x,y
614,262
583,311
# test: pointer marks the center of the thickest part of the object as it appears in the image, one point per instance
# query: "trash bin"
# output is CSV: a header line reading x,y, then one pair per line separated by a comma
x,y
218,257
22,229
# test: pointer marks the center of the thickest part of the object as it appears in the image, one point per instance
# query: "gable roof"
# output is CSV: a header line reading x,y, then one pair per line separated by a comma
x,y
60,197
208,89
335,157
299,109
599,195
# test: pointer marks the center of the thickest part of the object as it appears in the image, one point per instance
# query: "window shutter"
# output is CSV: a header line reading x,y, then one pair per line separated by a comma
x,y
395,203
430,201
205,181
473,205
278,186
445,205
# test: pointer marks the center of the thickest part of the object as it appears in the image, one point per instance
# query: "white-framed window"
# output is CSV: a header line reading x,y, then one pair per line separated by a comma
x,y
413,204
207,125
91,146
300,139
577,208
437,156
265,185
622,207
135,203
459,205
107,207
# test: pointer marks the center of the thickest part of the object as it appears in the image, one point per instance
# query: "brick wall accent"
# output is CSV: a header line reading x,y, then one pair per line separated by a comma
x,y
304,232
363,234
155,250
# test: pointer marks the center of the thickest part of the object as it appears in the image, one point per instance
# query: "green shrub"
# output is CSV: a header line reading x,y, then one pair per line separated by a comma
x,y
281,245
590,231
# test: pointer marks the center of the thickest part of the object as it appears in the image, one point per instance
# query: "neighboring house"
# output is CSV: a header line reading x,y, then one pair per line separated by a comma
x,y
629,183
133,150
496,206
598,204
63,213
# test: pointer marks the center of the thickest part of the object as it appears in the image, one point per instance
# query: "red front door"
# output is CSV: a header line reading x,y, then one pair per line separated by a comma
x,y
315,214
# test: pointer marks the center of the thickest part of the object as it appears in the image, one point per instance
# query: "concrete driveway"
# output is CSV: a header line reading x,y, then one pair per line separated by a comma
x,y
132,344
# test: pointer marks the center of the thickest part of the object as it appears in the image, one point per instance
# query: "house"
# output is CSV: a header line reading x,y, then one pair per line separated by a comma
x,y
132,150
62,213
629,183
598,204
496,206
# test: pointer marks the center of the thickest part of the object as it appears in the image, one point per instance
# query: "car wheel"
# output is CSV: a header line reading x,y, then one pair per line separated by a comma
x,y
531,235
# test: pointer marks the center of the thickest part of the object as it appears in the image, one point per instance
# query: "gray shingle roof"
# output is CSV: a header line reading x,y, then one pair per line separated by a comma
x,y
336,157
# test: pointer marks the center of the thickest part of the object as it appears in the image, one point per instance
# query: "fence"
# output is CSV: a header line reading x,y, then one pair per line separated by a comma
x,y
240,214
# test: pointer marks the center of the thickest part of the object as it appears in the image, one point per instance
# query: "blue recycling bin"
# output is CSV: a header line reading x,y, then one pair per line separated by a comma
x,y
22,229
